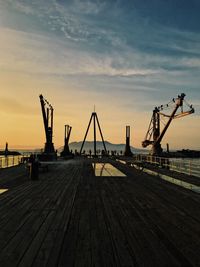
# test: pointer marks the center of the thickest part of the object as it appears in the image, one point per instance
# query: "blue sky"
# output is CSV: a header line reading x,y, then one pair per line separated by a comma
x,y
126,57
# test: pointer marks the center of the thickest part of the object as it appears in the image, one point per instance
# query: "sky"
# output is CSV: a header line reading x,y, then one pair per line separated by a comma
x,y
123,57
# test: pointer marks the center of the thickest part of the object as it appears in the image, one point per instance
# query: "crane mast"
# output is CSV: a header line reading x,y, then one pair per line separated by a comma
x,y
47,114
154,135
66,152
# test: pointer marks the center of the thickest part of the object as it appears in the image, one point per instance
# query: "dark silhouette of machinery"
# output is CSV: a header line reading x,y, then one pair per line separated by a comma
x,y
95,119
6,152
127,151
66,152
154,135
47,114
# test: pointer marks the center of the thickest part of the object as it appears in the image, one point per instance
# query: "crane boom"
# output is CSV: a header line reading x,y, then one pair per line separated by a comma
x,y
44,115
47,114
179,103
177,116
154,126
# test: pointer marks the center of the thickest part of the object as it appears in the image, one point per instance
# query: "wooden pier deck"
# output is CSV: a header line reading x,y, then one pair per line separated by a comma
x,y
70,217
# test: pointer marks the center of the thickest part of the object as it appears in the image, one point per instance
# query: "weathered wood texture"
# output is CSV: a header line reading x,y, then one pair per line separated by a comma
x,y
69,217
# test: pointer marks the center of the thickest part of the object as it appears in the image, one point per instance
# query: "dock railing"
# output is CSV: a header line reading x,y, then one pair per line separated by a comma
x,y
187,166
10,161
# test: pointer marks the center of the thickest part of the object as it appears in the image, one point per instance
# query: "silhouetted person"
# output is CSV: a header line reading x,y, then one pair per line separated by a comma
x,y
31,158
34,167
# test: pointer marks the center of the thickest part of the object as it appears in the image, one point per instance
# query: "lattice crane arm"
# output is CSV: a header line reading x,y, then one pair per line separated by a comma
x,y
153,131
177,116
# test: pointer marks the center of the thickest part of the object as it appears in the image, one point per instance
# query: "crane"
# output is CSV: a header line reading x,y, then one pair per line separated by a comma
x,y
154,135
47,114
66,152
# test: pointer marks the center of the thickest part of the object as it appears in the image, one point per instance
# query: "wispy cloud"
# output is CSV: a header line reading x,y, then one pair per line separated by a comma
x,y
67,19
84,21
89,7
18,5
37,54
24,8
95,48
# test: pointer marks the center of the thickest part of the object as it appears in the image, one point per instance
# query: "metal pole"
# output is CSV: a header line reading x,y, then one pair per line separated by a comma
x,y
101,134
86,133
51,124
65,135
44,115
95,147
47,110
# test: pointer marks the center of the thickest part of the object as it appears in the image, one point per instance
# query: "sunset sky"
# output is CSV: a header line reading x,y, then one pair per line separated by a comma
x,y
124,57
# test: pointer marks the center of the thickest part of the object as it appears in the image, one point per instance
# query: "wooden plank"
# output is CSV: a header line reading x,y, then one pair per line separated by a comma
x,y
170,223
34,247
145,246
69,251
15,249
72,218
50,249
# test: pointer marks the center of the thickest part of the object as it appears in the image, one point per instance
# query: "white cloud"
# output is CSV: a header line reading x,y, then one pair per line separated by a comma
x,y
68,20
192,62
24,8
176,40
37,54
89,7
18,5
